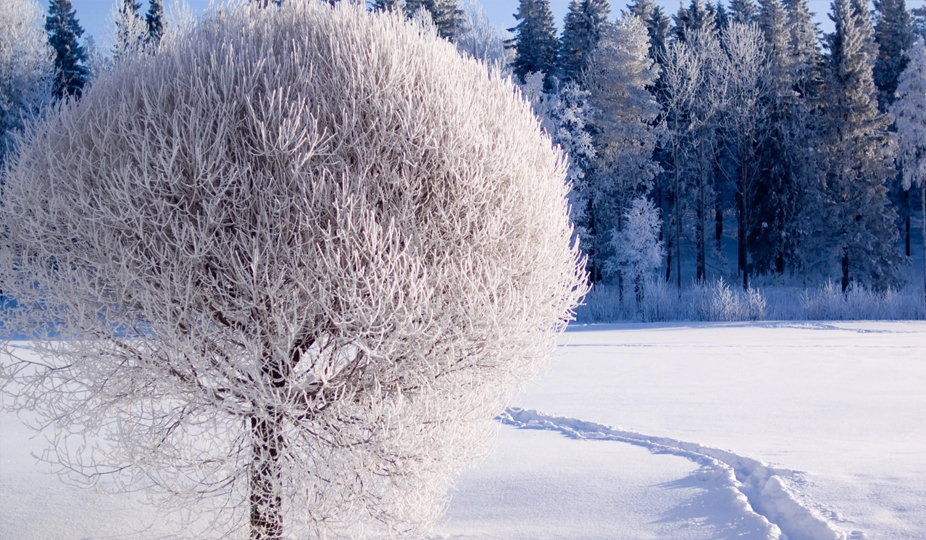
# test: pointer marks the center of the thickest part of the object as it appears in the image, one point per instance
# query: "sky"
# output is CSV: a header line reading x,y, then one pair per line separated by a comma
x,y
96,21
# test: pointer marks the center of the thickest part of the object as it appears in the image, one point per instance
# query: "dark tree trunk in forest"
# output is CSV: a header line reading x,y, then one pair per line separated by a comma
x,y
845,269
718,224
906,212
923,230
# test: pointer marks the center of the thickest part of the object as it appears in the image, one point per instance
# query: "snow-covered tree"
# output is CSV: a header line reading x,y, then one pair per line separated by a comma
x,y
743,11
129,29
781,148
638,252
581,33
154,22
534,40
680,80
856,225
254,267
703,142
619,77
909,111
478,37
25,67
743,71
387,5
894,35
446,15
71,72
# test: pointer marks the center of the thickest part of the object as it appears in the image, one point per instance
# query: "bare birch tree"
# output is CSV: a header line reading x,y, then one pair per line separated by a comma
x,y
294,262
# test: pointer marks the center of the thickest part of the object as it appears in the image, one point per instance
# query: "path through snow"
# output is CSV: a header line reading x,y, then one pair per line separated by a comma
x,y
757,490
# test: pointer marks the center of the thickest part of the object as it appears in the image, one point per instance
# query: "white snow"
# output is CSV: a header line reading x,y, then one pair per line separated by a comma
x,y
797,431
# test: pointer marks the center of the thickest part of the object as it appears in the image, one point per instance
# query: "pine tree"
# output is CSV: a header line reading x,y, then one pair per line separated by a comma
x,y
858,227
71,73
894,35
909,110
154,21
445,14
619,79
721,16
534,40
581,32
743,11
806,59
777,194
387,5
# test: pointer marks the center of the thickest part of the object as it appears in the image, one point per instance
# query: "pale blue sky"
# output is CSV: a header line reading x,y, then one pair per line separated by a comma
x,y
94,14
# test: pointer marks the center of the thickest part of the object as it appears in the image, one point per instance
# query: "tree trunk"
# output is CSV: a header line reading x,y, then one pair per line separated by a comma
x,y
923,225
907,212
700,240
845,269
678,219
718,223
266,479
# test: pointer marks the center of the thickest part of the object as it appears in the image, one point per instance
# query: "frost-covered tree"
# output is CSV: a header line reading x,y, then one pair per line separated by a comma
x,y
129,29
534,40
566,116
638,251
581,33
387,5
71,72
781,148
856,225
894,35
704,137
445,14
743,11
25,67
909,110
743,71
298,262
154,22
619,78
478,37
680,80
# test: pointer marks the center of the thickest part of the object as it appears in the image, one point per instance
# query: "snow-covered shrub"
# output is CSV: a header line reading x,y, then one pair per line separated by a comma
x,y
297,260
718,301
659,302
861,303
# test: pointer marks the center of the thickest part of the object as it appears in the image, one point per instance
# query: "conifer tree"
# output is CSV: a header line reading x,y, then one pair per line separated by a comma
x,y
894,35
534,40
581,32
154,20
743,11
71,73
909,110
619,80
387,5
445,14
721,16
858,220
777,192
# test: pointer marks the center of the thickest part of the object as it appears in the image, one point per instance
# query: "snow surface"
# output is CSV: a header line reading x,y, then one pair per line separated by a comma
x,y
797,431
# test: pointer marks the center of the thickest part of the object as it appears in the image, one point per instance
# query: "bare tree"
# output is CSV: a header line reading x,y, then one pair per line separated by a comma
x,y
743,71
681,76
295,261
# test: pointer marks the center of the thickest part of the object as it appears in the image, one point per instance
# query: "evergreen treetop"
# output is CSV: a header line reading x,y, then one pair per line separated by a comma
x,y
581,33
534,41
71,73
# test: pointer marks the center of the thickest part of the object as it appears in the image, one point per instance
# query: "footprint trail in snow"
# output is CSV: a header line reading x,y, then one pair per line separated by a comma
x,y
758,491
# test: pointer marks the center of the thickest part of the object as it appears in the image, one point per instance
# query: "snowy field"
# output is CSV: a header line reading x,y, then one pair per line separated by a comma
x,y
797,431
